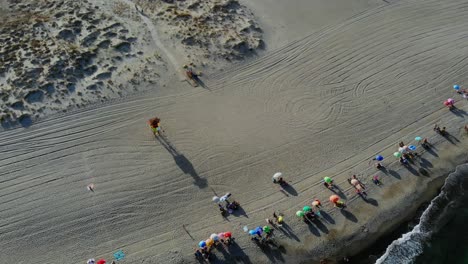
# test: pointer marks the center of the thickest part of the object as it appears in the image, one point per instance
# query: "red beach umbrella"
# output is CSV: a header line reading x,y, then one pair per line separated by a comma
x,y
334,198
447,103
228,234
101,261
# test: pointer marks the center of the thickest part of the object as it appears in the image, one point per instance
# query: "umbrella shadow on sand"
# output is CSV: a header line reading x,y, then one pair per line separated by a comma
x,y
182,162
327,217
459,112
348,215
290,190
394,174
431,149
369,200
273,251
234,254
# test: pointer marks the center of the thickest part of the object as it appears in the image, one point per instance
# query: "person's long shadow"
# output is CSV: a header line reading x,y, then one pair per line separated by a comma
x,y
286,230
450,138
182,162
201,83
289,189
238,254
348,215
327,217
394,174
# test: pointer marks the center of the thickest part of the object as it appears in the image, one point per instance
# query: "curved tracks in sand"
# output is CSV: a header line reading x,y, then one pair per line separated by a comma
x,y
320,106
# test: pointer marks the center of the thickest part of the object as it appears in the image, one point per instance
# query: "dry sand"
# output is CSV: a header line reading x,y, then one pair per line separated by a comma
x,y
323,105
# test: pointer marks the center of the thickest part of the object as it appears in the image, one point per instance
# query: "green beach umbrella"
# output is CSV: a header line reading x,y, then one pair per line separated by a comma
x,y
327,179
306,208
397,154
266,229
300,214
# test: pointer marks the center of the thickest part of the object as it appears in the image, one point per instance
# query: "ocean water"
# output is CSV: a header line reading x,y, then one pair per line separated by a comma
x,y
441,236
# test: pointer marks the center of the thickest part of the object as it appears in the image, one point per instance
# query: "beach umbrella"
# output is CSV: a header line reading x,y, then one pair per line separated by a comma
x,y
227,234
215,237
354,182
306,208
91,261
252,232
202,244
315,203
119,255
418,138
456,87
379,157
209,242
412,147
300,213
451,100
277,175
327,179
397,154
221,235
215,199
447,103
266,229
334,198
259,230
101,261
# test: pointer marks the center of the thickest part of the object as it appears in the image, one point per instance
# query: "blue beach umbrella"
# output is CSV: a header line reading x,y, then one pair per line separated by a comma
x,y
418,138
456,87
379,157
412,147
202,244
252,232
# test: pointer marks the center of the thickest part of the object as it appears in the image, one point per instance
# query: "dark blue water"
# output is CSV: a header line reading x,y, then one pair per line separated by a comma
x,y
441,236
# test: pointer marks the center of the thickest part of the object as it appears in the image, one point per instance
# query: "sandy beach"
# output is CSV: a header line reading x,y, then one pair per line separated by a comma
x,y
322,97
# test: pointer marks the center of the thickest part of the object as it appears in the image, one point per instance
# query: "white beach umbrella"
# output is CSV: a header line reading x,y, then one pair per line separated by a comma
x,y
216,199
277,175
91,261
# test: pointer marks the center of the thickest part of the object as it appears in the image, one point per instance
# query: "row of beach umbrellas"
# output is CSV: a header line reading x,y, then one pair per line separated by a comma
x,y
214,238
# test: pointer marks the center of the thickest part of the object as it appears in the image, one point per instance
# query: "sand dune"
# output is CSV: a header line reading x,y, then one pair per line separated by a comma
x,y
319,106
